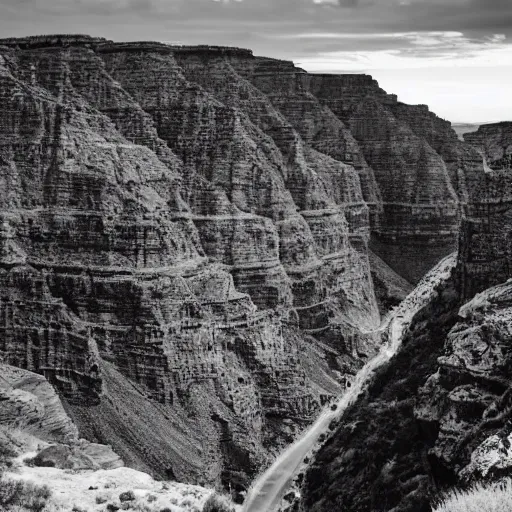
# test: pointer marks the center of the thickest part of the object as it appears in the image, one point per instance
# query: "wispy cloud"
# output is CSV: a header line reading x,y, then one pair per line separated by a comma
x,y
406,50
322,35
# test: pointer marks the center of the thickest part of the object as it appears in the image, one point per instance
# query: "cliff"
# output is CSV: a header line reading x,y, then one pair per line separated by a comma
x,y
409,150
494,142
438,415
184,239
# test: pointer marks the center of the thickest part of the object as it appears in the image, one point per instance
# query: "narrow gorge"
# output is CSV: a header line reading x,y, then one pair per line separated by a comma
x,y
198,245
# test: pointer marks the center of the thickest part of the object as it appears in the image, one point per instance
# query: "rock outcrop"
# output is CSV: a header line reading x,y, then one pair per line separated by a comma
x,y
156,239
31,408
494,141
31,404
401,143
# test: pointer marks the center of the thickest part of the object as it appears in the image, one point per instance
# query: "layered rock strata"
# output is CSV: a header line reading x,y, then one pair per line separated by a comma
x,y
421,210
494,141
184,239
157,240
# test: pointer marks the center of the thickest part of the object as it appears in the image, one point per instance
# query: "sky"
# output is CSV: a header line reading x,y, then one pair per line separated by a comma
x,y
454,55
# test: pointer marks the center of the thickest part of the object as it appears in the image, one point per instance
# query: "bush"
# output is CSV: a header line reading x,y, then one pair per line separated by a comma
x,y
7,451
23,494
216,503
127,496
10,490
496,497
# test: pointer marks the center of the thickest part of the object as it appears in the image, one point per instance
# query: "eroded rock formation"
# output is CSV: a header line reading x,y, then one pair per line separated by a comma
x,y
184,239
156,240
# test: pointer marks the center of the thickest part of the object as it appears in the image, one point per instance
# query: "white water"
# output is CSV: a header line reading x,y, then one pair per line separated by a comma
x,y
268,490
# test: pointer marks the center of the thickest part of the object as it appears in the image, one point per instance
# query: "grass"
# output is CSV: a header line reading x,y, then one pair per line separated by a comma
x,y
495,497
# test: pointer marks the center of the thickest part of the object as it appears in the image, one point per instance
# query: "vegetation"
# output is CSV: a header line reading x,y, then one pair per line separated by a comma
x,y
18,495
7,450
216,503
496,497
25,495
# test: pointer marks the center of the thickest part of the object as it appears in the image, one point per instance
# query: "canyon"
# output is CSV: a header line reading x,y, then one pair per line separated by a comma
x,y
437,416
197,246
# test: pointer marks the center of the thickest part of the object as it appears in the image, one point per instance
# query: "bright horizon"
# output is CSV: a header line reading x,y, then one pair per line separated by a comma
x,y
453,55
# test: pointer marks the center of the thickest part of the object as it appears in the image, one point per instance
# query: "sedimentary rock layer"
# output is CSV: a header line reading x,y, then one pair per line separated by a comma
x,y
421,210
154,236
191,225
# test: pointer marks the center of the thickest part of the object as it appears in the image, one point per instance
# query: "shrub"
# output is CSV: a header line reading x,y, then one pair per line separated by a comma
x,y
127,496
216,503
24,494
496,497
7,451
9,491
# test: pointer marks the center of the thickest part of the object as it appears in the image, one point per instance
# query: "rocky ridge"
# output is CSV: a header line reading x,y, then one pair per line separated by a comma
x,y
40,447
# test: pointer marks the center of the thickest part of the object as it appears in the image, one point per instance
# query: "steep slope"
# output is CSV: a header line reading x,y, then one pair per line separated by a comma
x,y
150,240
439,414
390,288
184,239
313,246
284,84
40,446
494,141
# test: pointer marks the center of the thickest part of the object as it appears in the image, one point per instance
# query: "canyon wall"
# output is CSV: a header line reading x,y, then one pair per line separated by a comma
x,y
439,414
409,150
185,233
193,287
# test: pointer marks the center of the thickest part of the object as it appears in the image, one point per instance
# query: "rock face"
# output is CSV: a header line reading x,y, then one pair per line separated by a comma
x,y
486,240
184,239
495,142
402,144
31,404
158,238
440,413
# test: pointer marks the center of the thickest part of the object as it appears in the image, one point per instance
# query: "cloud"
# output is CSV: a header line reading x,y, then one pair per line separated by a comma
x,y
430,39
416,50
